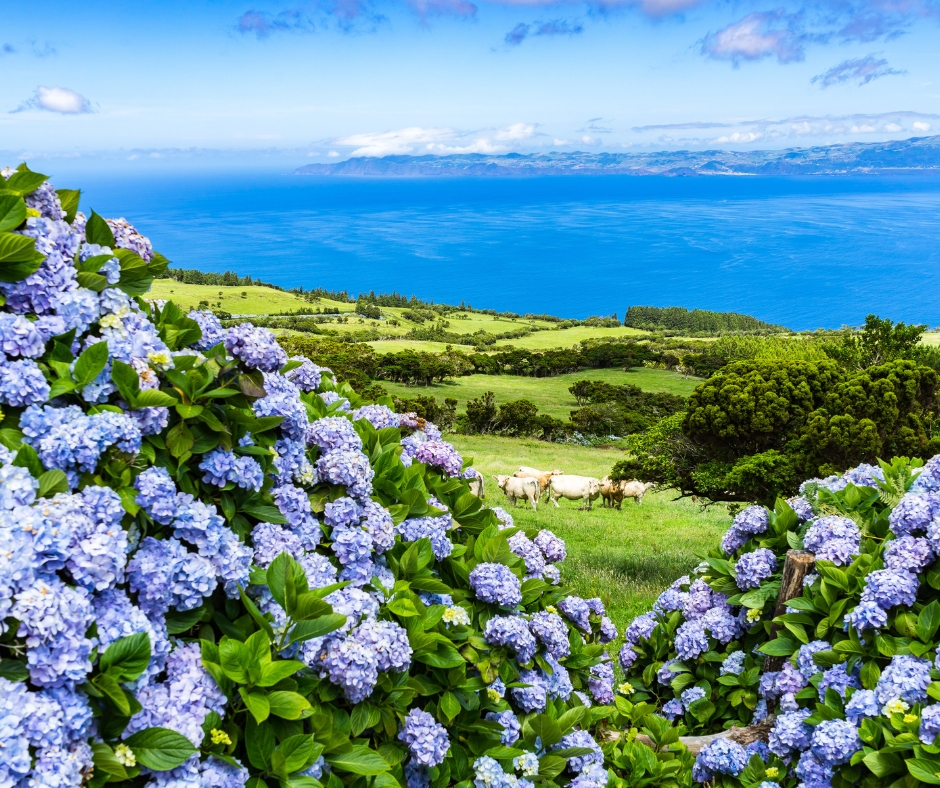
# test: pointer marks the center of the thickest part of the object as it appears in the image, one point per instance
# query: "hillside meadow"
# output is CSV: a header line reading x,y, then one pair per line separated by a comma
x,y
550,394
625,557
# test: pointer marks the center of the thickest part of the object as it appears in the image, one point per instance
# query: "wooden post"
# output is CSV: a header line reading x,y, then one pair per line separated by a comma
x,y
797,566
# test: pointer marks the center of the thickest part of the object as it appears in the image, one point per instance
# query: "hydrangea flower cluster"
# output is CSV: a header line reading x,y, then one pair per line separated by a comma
x,y
166,520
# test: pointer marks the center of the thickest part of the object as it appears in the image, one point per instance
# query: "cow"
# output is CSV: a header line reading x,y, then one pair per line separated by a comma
x,y
515,489
611,492
476,484
635,490
574,488
534,473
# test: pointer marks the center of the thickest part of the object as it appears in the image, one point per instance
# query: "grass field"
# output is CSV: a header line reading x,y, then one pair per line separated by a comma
x,y
258,300
551,395
626,558
543,340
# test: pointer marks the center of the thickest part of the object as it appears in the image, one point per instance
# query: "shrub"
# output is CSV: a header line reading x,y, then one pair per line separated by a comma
x,y
856,685
220,567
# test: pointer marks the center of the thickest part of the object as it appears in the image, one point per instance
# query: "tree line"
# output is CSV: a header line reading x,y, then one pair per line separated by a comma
x,y
695,322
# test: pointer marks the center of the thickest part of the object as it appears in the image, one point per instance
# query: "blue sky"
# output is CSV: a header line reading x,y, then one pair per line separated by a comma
x,y
320,81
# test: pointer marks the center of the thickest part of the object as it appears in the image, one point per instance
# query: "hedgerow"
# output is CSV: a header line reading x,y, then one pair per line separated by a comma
x,y
853,700
219,567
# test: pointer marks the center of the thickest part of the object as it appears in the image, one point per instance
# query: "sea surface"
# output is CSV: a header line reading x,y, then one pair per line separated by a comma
x,y
803,252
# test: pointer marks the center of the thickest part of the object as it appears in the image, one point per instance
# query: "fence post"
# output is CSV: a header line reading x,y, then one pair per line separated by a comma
x,y
798,564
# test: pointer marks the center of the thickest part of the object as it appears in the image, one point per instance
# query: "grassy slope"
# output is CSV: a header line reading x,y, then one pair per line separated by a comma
x,y
542,340
259,301
626,558
551,395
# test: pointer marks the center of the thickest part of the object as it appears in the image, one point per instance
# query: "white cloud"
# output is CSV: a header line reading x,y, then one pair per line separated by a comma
x,y
419,140
561,142
333,154
920,125
741,137
55,99
864,128
893,127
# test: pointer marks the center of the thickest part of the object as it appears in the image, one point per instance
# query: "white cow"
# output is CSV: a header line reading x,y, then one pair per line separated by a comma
x,y
635,490
534,473
574,488
524,489
476,484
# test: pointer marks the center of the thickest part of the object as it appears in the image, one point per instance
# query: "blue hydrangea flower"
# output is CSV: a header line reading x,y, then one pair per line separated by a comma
x,y
601,682
578,612
908,554
433,528
813,772
526,549
256,347
699,601
557,683
673,709
495,584
888,588
838,679
512,632
512,728
747,524
867,615
790,733
834,538
733,664
334,433
627,657
352,664
212,331
721,756
914,513
689,696
863,703
641,628
440,454
929,723
551,632
906,678
577,763
835,741
553,548
425,737
691,640
804,658
755,567
532,697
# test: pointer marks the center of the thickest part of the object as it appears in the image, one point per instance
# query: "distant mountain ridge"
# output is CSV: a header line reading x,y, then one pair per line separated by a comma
x,y
920,154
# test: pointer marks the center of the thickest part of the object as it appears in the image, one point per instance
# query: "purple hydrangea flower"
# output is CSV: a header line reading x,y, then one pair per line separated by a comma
x,y
699,600
532,697
601,682
914,513
691,640
513,632
835,539
867,615
835,741
578,612
641,628
581,739
433,528
908,554
307,376
526,549
838,679
813,772
747,524
426,739
551,631
379,416
627,657
256,347
863,703
906,678
722,756
348,468
691,695
673,709
804,658
551,546
930,724
342,511
888,588
512,728
802,508
790,733
496,584
755,567
440,454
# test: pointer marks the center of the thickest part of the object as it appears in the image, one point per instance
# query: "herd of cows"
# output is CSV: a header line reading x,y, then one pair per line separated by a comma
x,y
530,484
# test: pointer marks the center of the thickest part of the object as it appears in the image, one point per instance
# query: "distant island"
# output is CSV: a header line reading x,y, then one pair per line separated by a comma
x,y
919,154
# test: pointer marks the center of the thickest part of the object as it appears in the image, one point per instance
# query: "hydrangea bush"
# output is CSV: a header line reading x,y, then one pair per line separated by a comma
x,y
220,568
855,699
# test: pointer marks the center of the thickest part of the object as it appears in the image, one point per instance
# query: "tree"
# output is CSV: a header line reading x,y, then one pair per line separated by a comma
x,y
879,342
755,428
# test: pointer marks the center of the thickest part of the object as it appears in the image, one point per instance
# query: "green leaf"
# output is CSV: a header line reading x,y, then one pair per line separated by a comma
x,y
358,760
296,751
780,647
928,621
24,181
69,199
273,672
550,766
233,658
259,743
363,717
178,621
12,212
265,513
160,749
18,257
403,607
90,364
52,482
105,761
314,628
547,729
179,440
256,703
13,670
154,398
883,763
98,232
127,658
125,377
287,705
112,690
96,282
924,770
28,458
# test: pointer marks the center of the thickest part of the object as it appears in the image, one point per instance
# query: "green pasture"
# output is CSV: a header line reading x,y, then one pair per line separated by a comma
x,y
625,557
551,395
398,345
257,300
543,340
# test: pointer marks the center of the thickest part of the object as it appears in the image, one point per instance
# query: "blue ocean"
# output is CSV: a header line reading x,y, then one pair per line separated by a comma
x,y
806,253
